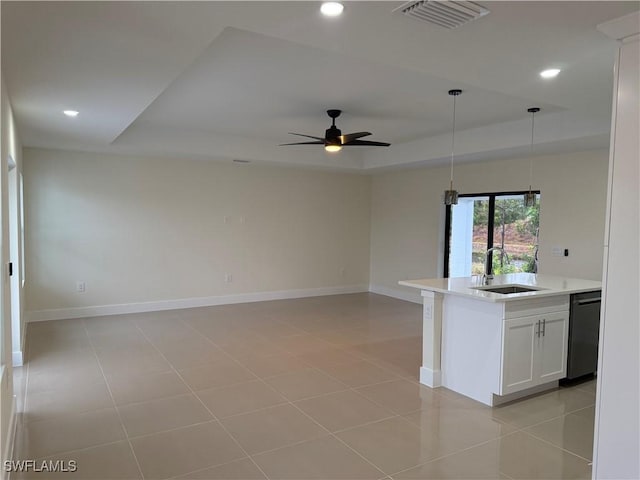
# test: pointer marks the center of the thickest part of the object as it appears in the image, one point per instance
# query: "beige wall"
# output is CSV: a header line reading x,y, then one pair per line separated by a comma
x,y
147,230
408,216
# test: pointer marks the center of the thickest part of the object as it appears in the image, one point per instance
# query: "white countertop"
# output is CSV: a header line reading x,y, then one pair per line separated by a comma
x,y
549,285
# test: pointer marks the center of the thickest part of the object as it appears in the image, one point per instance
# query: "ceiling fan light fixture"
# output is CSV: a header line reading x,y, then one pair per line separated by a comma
x,y
334,140
331,9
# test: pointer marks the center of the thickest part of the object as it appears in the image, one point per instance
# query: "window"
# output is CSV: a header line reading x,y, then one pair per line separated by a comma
x,y
482,221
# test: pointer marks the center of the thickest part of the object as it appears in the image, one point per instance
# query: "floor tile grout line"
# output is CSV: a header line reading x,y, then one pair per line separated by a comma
x,y
289,445
366,424
326,429
332,434
520,427
360,454
451,454
22,423
182,475
318,369
67,452
222,387
252,411
354,388
26,382
115,407
168,397
174,429
556,446
297,408
204,405
481,444
313,420
403,418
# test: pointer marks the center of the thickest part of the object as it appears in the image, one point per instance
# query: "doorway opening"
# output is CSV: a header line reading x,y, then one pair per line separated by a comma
x,y
16,223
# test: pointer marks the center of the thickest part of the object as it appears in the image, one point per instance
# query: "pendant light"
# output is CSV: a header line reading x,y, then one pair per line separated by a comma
x,y
530,197
451,195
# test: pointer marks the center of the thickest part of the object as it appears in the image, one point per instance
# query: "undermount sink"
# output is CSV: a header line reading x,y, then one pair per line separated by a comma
x,y
507,289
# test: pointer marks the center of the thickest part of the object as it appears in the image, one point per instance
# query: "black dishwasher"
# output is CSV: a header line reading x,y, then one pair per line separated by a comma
x,y
584,330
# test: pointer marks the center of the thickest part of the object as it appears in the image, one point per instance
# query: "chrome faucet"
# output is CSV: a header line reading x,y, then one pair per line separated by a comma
x,y
486,278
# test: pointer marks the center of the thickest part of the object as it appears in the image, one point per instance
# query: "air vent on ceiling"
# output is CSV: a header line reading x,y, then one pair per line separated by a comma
x,y
448,14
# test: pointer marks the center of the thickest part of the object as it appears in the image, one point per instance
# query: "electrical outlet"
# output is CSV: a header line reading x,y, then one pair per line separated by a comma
x,y
81,287
428,311
228,278
557,251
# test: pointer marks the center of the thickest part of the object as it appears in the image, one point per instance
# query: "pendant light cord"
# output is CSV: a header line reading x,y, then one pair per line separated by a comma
x,y
533,119
453,138
532,111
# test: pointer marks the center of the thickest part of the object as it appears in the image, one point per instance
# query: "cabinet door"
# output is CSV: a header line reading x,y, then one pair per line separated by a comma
x,y
553,347
519,351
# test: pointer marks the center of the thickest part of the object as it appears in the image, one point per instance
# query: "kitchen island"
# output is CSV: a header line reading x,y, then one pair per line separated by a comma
x,y
497,342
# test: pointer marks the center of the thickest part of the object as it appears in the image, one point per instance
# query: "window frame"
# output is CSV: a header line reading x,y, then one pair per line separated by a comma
x,y
490,223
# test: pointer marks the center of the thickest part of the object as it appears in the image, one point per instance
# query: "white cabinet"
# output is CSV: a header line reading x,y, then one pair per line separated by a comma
x,y
519,353
495,352
534,350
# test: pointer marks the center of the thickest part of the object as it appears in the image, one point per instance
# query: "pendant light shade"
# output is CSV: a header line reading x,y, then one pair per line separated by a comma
x,y
451,195
530,197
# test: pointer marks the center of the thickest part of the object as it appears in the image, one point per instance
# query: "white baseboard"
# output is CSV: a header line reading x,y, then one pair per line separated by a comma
x,y
7,452
499,400
101,310
17,358
398,293
430,378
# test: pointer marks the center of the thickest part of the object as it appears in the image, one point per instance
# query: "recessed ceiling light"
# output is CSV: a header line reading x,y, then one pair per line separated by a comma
x,y
551,73
71,113
331,9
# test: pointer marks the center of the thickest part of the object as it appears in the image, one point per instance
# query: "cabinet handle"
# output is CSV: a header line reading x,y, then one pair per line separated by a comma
x,y
544,326
537,331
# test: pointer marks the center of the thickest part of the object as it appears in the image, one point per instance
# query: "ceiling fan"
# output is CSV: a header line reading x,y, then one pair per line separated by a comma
x,y
333,140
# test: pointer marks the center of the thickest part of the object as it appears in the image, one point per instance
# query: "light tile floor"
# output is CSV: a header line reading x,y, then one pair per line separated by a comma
x,y
315,388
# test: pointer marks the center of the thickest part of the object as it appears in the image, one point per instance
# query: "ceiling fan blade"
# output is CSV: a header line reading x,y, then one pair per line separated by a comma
x,y
366,142
349,137
303,143
308,136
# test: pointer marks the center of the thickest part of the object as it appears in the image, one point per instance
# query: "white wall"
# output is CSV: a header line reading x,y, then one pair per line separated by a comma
x,y
151,230
407,215
617,425
9,146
